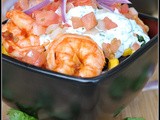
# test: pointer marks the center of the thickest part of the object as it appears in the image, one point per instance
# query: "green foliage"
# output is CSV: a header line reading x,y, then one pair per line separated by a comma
x,y
134,118
141,39
19,115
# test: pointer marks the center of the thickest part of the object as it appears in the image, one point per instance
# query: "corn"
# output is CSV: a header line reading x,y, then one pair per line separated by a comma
x,y
127,52
4,50
113,63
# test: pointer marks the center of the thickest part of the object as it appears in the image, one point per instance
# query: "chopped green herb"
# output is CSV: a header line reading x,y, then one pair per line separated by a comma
x,y
19,115
141,39
134,118
101,34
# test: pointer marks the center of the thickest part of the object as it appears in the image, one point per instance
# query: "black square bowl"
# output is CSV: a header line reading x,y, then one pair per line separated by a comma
x,y
51,95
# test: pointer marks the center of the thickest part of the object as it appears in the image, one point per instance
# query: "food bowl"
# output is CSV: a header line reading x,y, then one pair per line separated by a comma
x,y
151,6
51,95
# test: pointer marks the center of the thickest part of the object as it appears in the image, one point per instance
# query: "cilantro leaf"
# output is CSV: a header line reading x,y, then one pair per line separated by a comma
x,y
19,115
141,39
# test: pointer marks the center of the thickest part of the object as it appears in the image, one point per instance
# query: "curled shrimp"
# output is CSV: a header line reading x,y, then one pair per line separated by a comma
x,y
75,55
19,41
24,50
20,19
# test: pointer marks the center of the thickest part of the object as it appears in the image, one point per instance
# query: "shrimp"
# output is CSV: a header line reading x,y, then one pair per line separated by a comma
x,y
75,55
26,49
21,47
20,19
19,38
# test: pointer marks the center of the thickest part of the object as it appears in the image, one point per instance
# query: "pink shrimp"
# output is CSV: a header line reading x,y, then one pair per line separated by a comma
x,y
75,55
19,37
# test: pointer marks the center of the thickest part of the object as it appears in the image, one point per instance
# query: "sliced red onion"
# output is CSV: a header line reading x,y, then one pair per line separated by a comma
x,y
63,10
108,3
37,7
104,6
152,85
103,3
111,2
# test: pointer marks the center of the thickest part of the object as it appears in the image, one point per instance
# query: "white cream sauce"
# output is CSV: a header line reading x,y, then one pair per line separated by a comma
x,y
124,32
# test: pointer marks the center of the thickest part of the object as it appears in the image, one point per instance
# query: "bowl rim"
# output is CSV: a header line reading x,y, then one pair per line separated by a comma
x,y
96,79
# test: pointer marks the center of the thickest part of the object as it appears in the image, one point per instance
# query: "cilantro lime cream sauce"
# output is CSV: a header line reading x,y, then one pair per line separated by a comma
x,y
124,32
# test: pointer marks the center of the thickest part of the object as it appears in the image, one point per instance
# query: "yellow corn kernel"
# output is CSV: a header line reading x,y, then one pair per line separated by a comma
x,y
127,52
133,51
113,63
4,50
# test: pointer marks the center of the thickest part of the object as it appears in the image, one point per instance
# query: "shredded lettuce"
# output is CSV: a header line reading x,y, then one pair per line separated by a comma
x,y
19,115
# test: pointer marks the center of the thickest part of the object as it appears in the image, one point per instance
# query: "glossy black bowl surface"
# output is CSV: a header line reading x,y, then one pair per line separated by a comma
x,y
150,7
50,95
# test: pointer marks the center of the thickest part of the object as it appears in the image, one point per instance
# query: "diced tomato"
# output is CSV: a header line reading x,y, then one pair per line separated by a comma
x,y
83,2
109,24
34,40
115,44
24,33
7,35
35,58
46,18
24,4
69,6
38,29
41,60
17,6
89,21
107,50
52,6
135,46
124,8
76,22
10,49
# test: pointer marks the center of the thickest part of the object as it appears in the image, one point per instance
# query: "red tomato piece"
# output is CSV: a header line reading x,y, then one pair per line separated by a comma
x,y
107,50
89,21
53,5
46,18
135,46
115,44
83,2
17,6
76,22
38,29
35,58
10,49
24,4
109,24
124,9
